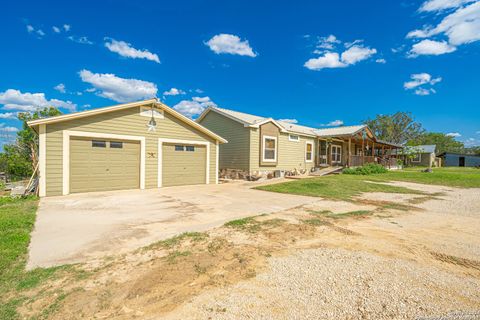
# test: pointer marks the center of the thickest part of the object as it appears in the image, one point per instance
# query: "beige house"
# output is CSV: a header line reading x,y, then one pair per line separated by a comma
x,y
264,145
136,145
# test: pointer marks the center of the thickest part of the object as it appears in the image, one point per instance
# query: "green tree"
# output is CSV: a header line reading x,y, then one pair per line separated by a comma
x,y
443,142
20,158
398,128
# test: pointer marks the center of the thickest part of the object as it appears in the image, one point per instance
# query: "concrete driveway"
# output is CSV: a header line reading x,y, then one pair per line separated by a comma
x,y
81,227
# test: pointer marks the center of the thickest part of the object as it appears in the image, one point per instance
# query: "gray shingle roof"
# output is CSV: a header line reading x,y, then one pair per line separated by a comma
x,y
426,148
339,131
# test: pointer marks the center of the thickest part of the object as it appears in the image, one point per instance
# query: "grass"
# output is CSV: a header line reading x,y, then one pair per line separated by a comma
x,y
252,225
345,187
17,217
330,214
176,240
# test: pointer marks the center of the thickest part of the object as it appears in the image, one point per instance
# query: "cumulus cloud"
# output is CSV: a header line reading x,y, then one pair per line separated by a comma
x,y
453,134
60,88
173,92
56,29
16,100
38,32
328,60
194,107
119,89
462,26
327,42
440,5
381,61
8,115
422,83
289,120
81,40
356,54
231,44
334,123
66,27
430,47
5,128
125,49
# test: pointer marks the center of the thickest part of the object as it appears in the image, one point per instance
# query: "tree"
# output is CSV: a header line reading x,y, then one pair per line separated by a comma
x,y
443,142
398,128
19,159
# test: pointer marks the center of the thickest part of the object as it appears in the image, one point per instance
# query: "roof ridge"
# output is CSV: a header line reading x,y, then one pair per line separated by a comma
x,y
351,126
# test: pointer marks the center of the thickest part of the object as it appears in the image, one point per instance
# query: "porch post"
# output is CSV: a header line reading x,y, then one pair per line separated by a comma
x,y
363,151
349,152
373,150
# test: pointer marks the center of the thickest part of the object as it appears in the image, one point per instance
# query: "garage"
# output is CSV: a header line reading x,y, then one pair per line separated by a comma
x,y
183,164
135,145
102,165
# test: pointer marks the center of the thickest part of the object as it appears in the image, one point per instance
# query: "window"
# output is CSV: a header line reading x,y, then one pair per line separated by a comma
x,y
293,137
309,152
417,158
147,112
269,149
116,144
179,148
189,148
99,144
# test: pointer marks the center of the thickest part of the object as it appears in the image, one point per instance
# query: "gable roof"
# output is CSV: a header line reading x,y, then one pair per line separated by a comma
x,y
425,148
155,101
340,131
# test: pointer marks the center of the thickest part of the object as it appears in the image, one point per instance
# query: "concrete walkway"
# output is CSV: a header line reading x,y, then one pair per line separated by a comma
x,y
81,227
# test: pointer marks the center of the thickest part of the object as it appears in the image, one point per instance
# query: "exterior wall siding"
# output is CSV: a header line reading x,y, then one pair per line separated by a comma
x,y
122,122
426,159
235,153
291,154
452,160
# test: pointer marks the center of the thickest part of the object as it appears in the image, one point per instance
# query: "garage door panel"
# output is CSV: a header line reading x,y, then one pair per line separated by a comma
x,y
183,167
103,168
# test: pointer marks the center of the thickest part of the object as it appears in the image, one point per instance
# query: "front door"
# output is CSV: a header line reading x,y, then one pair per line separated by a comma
x,y
461,161
336,155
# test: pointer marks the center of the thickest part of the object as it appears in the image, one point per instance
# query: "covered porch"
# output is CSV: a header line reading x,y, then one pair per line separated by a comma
x,y
354,146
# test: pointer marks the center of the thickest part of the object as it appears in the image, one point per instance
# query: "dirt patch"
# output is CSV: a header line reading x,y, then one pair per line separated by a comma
x,y
382,257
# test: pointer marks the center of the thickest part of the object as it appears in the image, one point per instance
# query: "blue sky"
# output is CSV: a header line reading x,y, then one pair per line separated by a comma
x,y
317,62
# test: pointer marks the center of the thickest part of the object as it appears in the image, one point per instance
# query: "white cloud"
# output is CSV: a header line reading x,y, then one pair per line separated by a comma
x,y
356,54
16,100
462,26
419,81
430,47
8,115
30,28
60,88
289,120
478,132
231,44
66,27
472,142
125,49
440,5
194,107
4,128
173,92
327,42
119,89
424,92
334,123
56,29
38,32
453,134
81,40
381,61
328,60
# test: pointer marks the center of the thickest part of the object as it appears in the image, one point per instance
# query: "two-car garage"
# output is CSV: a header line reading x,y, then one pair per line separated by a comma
x,y
115,149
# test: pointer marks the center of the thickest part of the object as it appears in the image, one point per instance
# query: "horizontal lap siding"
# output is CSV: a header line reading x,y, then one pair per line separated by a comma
x,y
291,154
234,154
122,122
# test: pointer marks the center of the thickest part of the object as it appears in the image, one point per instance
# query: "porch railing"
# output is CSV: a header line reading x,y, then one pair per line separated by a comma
x,y
357,161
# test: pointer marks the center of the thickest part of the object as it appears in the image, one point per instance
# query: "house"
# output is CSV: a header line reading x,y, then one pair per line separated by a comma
x,y
262,145
422,155
135,145
451,159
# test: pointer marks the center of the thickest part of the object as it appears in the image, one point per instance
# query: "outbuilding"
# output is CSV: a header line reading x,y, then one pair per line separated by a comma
x,y
450,159
137,145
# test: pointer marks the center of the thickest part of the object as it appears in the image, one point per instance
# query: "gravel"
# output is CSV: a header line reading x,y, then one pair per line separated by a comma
x,y
339,284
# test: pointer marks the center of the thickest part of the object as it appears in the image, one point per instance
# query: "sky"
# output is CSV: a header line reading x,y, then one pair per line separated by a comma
x,y
317,63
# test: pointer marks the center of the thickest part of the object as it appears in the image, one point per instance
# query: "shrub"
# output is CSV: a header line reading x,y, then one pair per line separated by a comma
x,y
369,168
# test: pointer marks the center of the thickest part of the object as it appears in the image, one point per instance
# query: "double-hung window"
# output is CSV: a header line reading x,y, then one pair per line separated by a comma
x,y
309,151
269,152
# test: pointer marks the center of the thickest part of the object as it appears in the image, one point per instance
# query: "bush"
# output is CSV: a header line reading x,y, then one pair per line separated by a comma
x,y
369,168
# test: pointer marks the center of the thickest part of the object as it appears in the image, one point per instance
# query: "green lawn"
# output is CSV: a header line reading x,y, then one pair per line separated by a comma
x,y
344,186
17,217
